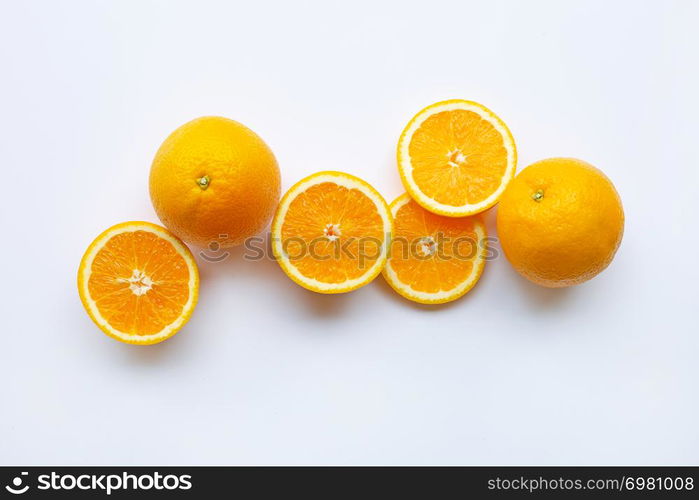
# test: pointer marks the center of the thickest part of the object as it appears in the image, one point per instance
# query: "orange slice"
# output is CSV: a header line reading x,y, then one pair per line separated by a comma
x,y
138,283
456,158
331,232
434,259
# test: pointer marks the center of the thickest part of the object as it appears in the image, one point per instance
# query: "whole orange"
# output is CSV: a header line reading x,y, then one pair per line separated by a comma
x,y
214,181
560,222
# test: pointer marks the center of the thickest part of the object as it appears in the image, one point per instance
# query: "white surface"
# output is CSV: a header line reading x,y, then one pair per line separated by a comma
x,y
267,372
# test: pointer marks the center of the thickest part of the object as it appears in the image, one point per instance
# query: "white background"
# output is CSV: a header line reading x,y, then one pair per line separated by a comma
x,y
268,373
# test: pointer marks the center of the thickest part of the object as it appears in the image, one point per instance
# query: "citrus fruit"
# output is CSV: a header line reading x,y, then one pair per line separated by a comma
x,y
433,259
138,283
560,222
214,180
332,232
456,157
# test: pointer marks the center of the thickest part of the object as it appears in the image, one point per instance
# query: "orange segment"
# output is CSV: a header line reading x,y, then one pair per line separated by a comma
x,y
433,259
331,232
138,282
456,158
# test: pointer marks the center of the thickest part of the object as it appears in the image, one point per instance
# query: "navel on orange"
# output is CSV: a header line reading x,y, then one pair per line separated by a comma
x,y
331,232
214,180
138,283
560,222
434,259
456,157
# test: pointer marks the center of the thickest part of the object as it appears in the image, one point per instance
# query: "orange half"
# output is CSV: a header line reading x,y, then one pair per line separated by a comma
x,y
138,283
434,259
456,157
331,232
